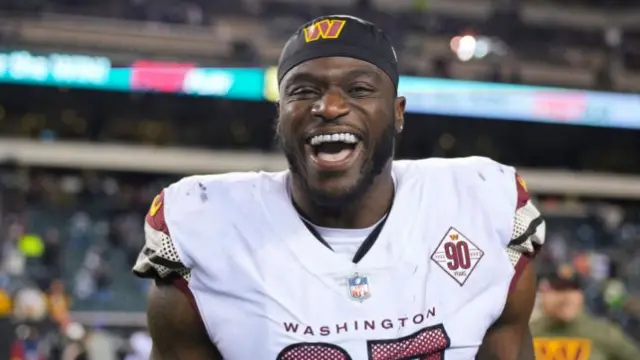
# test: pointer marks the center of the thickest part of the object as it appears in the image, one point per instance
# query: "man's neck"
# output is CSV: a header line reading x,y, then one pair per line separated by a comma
x,y
364,213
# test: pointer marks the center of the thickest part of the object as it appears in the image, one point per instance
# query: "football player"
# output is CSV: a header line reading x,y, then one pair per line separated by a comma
x,y
348,254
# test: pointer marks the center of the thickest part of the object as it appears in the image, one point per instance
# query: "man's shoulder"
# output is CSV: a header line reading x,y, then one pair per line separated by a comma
x,y
497,188
224,181
198,189
424,167
189,210
480,173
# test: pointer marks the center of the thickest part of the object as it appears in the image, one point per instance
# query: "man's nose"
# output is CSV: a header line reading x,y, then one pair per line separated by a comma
x,y
331,106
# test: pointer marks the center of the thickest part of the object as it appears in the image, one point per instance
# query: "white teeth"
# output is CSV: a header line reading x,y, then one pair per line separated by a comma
x,y
339,137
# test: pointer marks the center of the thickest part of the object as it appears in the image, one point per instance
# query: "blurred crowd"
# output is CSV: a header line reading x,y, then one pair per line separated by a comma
x,y
67,243
599,242
506,39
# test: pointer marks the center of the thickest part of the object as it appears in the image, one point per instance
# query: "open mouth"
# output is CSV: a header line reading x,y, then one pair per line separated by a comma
x,y
334,150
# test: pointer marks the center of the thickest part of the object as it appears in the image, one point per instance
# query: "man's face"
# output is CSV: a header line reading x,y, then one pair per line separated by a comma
x,y
338,120
563,305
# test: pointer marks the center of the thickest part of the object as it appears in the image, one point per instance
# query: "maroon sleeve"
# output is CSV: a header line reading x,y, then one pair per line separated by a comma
x,y
155,215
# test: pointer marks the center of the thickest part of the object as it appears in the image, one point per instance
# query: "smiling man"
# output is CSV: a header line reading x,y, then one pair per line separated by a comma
x,y
347,254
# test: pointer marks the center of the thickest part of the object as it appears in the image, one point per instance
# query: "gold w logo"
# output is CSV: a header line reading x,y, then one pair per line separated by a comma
x,y
324,29
562,348
155,206
454,236
521,182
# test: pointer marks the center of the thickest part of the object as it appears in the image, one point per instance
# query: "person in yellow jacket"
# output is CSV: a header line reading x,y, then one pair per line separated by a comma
x,y
58,302
566,331
5,304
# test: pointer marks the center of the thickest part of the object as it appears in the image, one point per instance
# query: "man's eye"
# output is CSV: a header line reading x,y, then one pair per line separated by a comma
x,y
359,91
303,91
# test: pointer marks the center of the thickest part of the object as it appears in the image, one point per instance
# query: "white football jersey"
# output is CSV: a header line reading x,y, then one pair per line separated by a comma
x,y
435,280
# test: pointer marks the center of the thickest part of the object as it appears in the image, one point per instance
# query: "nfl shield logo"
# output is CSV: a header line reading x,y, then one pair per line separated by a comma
x,y
359,287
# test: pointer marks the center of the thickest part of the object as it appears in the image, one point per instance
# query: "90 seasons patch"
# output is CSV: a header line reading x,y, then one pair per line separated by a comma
x,y
457,255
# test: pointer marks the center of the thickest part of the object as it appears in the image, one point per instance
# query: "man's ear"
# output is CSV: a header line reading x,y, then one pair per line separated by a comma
x,y
399,108
277,120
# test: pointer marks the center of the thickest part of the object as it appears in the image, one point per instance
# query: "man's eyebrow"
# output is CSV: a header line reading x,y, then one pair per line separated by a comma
x,y
303,77
314,78
362,72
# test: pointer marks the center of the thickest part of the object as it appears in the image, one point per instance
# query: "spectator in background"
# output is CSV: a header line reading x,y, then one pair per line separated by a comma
x,y
52,258
30,305
94,279
31,246
5,302
6,326
140,344
75,348
13,260
27,345
564,325
101,344
59,303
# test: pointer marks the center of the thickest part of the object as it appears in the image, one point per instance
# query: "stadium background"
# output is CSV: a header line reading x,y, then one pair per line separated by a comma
x,y
104,103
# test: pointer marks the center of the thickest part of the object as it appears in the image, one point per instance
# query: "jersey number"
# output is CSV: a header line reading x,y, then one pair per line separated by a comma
x,y
426,344
458,255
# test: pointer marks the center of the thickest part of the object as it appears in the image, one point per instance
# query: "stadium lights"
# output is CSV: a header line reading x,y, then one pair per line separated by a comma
x,y
467,47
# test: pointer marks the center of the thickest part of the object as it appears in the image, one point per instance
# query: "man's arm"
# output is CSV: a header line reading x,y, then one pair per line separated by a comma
x,y
509,338
175,326
173,318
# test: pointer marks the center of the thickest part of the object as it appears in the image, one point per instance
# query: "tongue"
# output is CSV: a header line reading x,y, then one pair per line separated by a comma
x,y
334,157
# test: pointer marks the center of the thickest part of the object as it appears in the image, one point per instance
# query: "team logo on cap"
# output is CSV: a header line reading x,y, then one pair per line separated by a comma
x,y
324,29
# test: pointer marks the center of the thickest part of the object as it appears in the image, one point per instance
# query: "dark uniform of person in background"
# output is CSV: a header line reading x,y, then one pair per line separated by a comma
x,y
566,331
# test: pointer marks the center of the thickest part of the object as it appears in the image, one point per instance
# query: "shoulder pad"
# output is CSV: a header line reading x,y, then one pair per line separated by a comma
x,y
507,186
174,220
159,258
529,228
529,231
